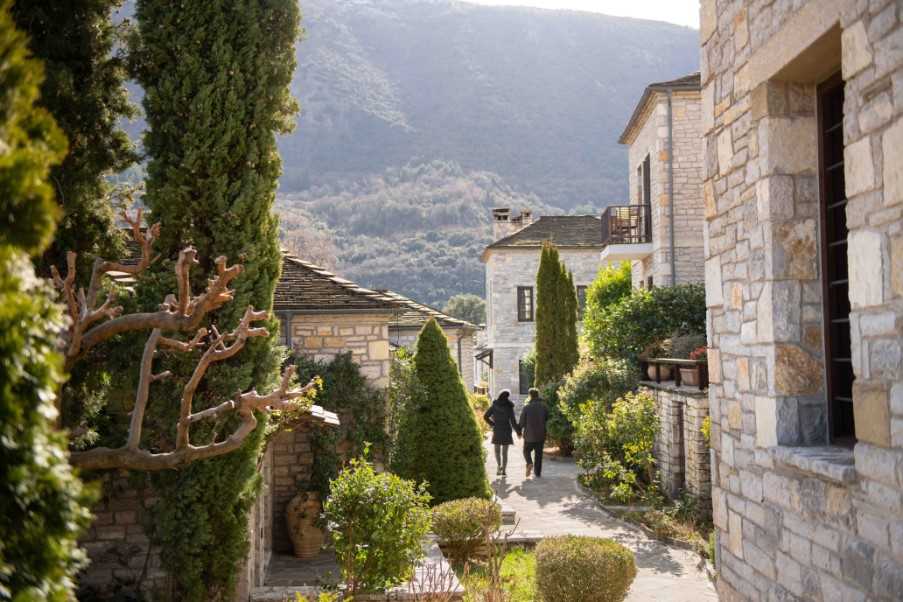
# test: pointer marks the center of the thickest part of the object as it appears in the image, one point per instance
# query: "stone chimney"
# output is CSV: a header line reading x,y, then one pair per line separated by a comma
x,y
501,223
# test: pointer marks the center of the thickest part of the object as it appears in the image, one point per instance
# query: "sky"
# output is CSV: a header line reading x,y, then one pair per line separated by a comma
x,y
681,12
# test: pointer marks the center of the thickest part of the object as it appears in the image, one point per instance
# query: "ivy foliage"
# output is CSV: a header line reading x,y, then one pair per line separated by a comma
x,y
556,319
85,91
438,438
43,505
626,328
377,522
361,409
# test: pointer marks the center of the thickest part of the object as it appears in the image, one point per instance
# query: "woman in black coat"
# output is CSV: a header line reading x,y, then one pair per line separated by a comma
x,y
500,417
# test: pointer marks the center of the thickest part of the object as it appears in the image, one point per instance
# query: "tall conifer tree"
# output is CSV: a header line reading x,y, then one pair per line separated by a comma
x,y
84,91
42,503
439,440
216,76
571,345
556,318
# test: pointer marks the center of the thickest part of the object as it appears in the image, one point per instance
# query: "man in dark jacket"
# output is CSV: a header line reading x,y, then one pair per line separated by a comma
x,y
500,417
533,427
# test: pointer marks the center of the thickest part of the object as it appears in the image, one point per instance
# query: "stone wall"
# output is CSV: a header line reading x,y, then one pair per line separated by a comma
x,y
652,140
681,452
510,340
365,335
796,517
292,467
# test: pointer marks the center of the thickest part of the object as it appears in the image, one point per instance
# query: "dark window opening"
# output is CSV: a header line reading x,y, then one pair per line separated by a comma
x,y
649,282
581,300
525,376
525,304
839,365
647,182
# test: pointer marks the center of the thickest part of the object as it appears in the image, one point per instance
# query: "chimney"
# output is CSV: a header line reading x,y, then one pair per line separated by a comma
x,y
526,217
501,223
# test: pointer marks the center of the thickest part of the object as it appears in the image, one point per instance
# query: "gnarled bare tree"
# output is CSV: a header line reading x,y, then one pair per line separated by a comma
x,y
94,321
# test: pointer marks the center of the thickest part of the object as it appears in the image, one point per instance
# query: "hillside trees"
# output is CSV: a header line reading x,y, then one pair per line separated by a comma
x,y
556,319
42,502
84,90
467,306
438,438
216,76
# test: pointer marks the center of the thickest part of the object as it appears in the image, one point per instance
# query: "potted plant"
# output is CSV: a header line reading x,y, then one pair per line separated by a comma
x,y
303,517
690,376
656,350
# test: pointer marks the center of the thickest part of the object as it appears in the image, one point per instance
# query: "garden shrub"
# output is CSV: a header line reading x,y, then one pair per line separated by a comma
x,y
559,429
624,329
404,392
462,526
603,381
616,446
377,522
438,438
361,409
43,504
685,344
612,284
479,404
583,569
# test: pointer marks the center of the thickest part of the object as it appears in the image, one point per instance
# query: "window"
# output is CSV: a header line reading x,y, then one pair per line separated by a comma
x,y
525,304
525,376
581,300
647,182
839,366
649,282
639,184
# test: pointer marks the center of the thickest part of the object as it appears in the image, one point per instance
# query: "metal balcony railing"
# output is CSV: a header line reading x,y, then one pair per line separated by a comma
x,y
627,225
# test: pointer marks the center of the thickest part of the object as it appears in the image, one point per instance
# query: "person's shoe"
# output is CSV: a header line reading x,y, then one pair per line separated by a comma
x,y
529,470
503,473
537,476
499,471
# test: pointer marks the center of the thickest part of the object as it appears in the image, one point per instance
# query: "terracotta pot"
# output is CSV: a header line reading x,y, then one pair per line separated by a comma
x,y
301,515
689,377
665,372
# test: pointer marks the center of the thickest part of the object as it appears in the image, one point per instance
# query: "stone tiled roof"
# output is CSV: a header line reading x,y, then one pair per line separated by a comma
x,y
415,315
687,83
308,287
562,230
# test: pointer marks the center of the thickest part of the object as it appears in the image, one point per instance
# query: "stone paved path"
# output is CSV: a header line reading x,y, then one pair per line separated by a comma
x,y
555,505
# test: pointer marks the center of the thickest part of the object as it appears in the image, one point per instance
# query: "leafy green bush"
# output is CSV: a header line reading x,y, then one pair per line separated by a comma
x,y
603,380
559,429
438,439
624,329
404,394
683,345
43,505
479,404
462,526
583,569
612,284
616,445
377,522
361,409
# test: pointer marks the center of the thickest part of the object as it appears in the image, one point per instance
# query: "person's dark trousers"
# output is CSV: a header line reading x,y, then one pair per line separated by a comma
x,y
534,448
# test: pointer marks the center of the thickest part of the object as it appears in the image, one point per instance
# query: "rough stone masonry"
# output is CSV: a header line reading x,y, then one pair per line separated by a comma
x,y
802,516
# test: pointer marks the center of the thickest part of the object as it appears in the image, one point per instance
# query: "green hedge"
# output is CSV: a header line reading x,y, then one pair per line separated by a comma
x,y
462,526
583,569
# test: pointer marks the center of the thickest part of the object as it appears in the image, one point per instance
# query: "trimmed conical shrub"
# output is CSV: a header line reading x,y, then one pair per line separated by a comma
x,y
556,319
439,441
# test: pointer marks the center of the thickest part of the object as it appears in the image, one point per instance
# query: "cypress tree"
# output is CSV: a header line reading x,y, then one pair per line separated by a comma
x,y
42,502
546,308
439,441
216,76
85,93
571,345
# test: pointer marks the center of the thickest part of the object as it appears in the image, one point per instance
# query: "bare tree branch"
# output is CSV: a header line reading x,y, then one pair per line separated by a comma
x,y
93,323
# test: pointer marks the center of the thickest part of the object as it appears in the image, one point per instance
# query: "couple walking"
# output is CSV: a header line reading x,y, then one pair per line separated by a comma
x,y
531,426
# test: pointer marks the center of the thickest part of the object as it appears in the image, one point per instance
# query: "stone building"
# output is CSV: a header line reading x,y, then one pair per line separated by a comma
x,y
657,236
802,103
405,326
511,265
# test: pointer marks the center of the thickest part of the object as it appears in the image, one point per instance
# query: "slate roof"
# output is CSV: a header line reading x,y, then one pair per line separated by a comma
x,y
562,230
415,315
690,83
308,287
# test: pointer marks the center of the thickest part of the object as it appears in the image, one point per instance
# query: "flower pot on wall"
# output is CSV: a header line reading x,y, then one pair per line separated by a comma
x,y
689,377
301,514
664,371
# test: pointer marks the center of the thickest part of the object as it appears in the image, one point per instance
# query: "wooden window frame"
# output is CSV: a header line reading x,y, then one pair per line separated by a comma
x,y
523,294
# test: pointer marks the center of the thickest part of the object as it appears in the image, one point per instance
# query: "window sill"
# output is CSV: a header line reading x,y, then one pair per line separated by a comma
x,y
828,462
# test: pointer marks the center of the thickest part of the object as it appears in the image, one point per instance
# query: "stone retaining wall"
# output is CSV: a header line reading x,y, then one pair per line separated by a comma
x,y
681,451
